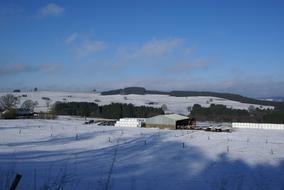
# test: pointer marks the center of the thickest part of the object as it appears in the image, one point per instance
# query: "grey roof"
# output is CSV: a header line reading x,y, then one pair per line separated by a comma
x,y
169,119
175,117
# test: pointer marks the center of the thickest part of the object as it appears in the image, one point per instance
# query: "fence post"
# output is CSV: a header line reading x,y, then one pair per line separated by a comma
x,y
16,182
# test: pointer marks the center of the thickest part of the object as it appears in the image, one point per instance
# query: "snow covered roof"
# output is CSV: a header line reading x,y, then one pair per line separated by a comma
x,y
169,119
176,117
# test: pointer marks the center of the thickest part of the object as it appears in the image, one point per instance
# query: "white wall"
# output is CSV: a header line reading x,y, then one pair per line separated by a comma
x,y
258,125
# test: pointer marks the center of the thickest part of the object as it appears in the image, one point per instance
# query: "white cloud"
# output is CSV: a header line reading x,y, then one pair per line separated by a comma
x,y
90,47
149,52
71,39
84,46
51,9
157,48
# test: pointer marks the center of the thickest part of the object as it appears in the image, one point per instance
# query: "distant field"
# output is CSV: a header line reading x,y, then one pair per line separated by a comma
x,y
174,104
66,153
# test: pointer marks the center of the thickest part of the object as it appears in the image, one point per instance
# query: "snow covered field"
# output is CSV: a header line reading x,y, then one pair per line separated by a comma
x,y
177,105
65,153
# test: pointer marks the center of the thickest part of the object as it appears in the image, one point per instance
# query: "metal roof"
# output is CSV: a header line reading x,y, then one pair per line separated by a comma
x,y
168,119
175,117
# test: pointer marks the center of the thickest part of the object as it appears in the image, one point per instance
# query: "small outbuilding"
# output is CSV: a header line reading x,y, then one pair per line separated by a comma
x,y
168,121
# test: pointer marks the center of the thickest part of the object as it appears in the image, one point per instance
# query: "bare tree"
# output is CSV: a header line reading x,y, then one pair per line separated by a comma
x,y
8,102
164,107
47,102
251,108
35,103
28,104
189,108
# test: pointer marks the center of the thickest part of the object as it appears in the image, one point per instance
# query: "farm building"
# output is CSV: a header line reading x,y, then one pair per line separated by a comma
x,y
169,121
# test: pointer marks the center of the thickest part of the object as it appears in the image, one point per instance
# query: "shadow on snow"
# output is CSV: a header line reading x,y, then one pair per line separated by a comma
x,y
139,164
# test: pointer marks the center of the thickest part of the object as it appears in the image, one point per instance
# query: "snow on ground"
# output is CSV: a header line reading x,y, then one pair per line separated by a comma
x,y
65,153
174,104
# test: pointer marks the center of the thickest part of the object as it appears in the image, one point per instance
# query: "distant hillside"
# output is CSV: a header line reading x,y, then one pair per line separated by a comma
x,y
274,98
133,90
129,90
229,96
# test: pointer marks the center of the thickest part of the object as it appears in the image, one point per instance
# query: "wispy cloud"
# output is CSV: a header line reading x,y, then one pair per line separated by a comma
x,y
149,52
51,9
84,46
91,47
186,67
159,54
156,48
13,69
71,38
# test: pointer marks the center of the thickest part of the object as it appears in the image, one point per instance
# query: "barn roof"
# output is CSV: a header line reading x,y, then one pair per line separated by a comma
x,y
168,119
175,117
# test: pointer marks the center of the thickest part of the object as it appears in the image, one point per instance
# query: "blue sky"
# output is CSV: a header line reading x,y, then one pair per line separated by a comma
x,y
224,46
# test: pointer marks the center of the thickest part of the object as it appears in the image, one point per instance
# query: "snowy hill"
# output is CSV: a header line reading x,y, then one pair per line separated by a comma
x,y
174,104
64,153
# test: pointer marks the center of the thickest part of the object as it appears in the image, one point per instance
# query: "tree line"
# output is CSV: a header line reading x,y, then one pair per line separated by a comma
x,y
111,111
220,113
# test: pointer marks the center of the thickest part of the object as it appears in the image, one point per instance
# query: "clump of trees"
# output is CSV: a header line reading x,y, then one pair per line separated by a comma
x,y
8,106
29,105
221,113
274,117
9,110
8,101
111,111
218,113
